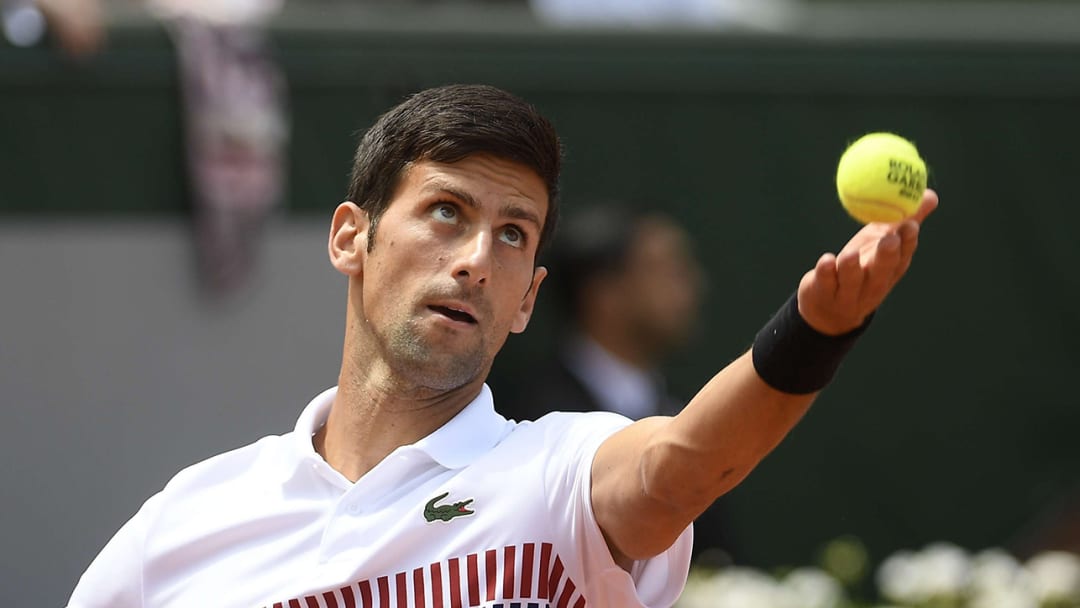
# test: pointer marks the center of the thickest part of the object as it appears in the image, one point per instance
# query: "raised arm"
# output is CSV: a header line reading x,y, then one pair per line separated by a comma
x,y
674,468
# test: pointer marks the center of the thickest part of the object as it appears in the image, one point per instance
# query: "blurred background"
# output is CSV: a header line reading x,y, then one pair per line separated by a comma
x,y
168,171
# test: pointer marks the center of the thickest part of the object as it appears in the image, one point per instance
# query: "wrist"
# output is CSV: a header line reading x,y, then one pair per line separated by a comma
x,y
793,357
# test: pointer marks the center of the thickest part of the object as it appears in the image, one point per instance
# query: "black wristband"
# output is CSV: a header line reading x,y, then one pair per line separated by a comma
x,y
793,357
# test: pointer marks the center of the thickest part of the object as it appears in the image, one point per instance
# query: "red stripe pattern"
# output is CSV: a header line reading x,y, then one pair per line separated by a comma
x,y
517,576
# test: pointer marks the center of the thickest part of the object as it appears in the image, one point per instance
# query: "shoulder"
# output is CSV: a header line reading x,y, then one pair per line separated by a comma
x,y
562,427
259,458
561,442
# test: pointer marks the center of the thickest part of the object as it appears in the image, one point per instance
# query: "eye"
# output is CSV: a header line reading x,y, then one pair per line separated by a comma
x,y
513,236
445,212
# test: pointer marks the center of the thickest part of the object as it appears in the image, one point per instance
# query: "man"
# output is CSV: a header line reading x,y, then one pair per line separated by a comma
x,y
402,486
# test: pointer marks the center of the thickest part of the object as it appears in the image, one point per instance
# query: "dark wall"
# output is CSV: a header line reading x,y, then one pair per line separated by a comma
x,y
955,419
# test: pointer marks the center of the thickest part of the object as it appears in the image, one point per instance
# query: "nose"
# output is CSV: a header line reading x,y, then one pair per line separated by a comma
x,y
472,264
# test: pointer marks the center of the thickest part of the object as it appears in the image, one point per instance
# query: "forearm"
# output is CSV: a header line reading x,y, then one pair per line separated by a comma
x,y
674,468
745,410
719,437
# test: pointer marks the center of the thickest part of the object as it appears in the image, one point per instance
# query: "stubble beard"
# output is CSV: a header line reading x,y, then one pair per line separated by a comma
x,y
418,363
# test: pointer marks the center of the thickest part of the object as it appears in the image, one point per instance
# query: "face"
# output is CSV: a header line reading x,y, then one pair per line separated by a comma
x,y
663,285
451,270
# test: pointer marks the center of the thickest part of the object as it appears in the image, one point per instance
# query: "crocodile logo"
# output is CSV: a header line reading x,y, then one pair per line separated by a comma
x,y
445,512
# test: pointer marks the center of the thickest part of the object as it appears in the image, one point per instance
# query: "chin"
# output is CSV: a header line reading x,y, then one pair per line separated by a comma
x,y
452,373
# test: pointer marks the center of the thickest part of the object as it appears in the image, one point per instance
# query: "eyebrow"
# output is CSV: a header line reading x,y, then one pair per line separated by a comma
x,y
507,209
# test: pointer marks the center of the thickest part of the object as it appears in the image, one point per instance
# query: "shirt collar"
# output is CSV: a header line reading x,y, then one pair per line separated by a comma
x,y
468,435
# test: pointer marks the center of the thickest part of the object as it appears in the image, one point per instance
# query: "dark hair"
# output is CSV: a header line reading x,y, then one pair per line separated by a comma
x,y
447,124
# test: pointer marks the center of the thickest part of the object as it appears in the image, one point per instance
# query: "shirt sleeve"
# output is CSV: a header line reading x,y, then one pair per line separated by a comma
x,y
652,583
114,578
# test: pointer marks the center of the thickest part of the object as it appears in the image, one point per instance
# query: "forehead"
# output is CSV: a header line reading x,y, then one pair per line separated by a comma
x,y
485,178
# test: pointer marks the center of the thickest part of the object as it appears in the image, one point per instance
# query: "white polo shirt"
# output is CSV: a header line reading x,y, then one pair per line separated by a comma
x,y
482,512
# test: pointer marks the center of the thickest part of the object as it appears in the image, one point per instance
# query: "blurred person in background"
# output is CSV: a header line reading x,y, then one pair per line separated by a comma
x,y
628,288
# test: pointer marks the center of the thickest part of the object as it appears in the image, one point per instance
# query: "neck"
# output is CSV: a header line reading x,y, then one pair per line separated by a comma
x,y
373,414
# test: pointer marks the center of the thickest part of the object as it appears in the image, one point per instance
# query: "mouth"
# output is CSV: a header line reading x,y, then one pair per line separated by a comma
x,y
454,314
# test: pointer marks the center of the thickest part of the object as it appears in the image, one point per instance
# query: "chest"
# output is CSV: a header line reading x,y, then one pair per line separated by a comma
x,y
416,538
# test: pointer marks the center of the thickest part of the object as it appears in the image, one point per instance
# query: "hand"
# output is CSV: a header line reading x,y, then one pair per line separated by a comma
x,y
842,290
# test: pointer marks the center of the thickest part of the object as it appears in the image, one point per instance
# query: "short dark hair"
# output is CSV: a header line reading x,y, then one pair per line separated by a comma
x,y
447,124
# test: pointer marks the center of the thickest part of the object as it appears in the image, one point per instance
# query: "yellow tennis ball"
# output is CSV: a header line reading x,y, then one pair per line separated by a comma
x,y
881,178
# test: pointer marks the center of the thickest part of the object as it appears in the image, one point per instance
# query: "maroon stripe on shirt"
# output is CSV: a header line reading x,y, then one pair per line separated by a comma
x,y
474,579
526,569
418,588
455,583
508,571
365,594
383,583
492,559
545,565
568,590
553,583
436,585
349,596
556,578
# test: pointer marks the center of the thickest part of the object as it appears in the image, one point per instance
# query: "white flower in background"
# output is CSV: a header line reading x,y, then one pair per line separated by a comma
x,y
733,587
812,588
1004,597
995,570
898,578
946,570
1055,577
698,592
940,575
747,588
940,571
999,581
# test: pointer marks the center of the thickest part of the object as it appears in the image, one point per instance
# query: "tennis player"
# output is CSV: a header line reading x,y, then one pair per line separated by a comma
x,y
402,486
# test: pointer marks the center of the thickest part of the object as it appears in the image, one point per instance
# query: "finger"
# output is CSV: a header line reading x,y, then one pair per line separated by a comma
x,y
880,271
929,203
909,232
825,275
818,285
866,235
909,242
817,292
849,278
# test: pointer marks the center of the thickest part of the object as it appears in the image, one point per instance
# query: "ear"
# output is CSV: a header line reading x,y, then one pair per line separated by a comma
x,y
521,319
348,238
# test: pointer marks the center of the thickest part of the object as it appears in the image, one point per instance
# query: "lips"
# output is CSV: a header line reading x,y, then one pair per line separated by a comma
x,y
454,312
